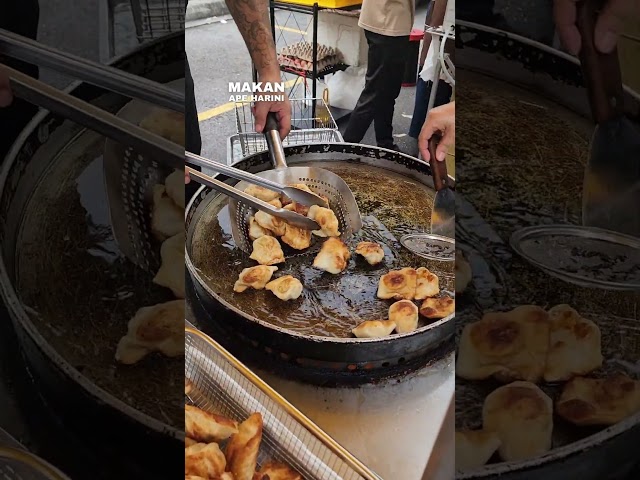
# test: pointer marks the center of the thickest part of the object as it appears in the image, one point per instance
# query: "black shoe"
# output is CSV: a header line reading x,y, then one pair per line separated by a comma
x,y
391,146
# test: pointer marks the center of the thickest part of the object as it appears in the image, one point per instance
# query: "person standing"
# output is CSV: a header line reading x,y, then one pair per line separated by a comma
x,y
387,25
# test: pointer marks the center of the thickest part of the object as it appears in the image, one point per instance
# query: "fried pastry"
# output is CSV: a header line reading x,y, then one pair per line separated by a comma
x,y
174,184
599,401
189,441
204,460
474,448
267,251
398,285
405,315
261,193
463,272
522,416
296,237
374,328
277,471
206,427
427,284
329,226
508,345
225,476
195,477
159,328
372,252
298,208
274,224
171,272
242,449
574,345
285,288
254,277
167,124
167,218
256,231
333,257
439,307
275,202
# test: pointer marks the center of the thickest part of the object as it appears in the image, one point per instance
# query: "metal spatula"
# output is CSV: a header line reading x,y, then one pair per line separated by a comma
x,y
612,178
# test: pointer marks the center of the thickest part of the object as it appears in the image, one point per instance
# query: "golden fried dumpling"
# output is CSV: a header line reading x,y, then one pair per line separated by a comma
x,y
171,272
439,307
275,202
225,476
196,477
300,186
463,272
522,416
256,231
333,256
174,183
574,345
207,427
326,219
405,315
261,193
277,471
274,224
372,252
204,460
599,401
428,284
298,208
159,328
285,288
167,218
254,277
508,345
296,237
166,124
474,448
374,328
398,285
242,449
267,251
189,441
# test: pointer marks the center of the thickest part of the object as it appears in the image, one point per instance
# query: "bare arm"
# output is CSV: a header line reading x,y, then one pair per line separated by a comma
x,y
437,19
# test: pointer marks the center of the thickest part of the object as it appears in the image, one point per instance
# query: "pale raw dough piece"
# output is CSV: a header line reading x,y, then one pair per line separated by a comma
x,y
261,193
574,345
296,237
174,184
371,252
256,231
508,345
166,124
463,272
601,401
167,219
242,449
329,226
254,277
436,308
522,416
207,427
204,460
159,328
274,224
333,257
428,284
374,328
267,251
285,288
405,315
398,284
474,448
171,273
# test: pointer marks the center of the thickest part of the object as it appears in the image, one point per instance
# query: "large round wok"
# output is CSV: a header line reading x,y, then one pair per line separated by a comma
x,y
311,339
518,98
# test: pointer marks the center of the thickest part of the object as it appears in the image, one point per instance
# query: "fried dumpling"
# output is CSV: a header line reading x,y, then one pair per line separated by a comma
x,y
427,285
207,427
189,441
333,257
285,288
256,231
196,477
398,285
296,237
463,272
599,401
267,251
372,252
474,448
254,277
405,315
374,328
204,460
508,345
166,124
261,193
574,345
439,307
326,219
225,476
274,224
242,449
167,218
298,208
159,328
301,186
277,471
275,202
174,184
522,416
171,272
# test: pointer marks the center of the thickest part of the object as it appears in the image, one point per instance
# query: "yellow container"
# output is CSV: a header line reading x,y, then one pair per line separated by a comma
x,y
325,3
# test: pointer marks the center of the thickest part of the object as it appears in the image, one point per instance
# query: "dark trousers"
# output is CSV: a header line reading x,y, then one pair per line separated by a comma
x,y
423,92
193,140
385,70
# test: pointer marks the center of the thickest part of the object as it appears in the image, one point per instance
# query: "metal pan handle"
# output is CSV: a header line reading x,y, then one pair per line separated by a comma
x,y
274,142
438,168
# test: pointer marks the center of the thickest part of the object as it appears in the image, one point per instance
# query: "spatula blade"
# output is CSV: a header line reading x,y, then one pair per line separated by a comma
x,y
443,215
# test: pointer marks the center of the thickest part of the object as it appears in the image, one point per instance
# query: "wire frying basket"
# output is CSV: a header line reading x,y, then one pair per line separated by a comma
x,y
223,385
157,18
16,463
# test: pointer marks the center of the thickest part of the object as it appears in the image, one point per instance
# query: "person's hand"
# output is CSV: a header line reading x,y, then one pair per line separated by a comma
x,y
608,26
6,97
282,109
440,119
186,177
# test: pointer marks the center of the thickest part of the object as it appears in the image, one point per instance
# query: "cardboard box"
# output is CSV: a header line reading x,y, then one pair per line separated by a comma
x,y
341,30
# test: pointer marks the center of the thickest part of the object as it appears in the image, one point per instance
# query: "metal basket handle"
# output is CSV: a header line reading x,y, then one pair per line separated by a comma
x,y
32,461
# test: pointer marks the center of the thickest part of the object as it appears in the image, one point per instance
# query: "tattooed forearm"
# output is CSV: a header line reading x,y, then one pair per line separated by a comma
x,y
252,19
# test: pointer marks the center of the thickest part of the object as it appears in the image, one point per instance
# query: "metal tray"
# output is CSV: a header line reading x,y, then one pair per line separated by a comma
x,y
222,384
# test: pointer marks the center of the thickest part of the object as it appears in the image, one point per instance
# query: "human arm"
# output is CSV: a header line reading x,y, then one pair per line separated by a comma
x,y
437,19
440,119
